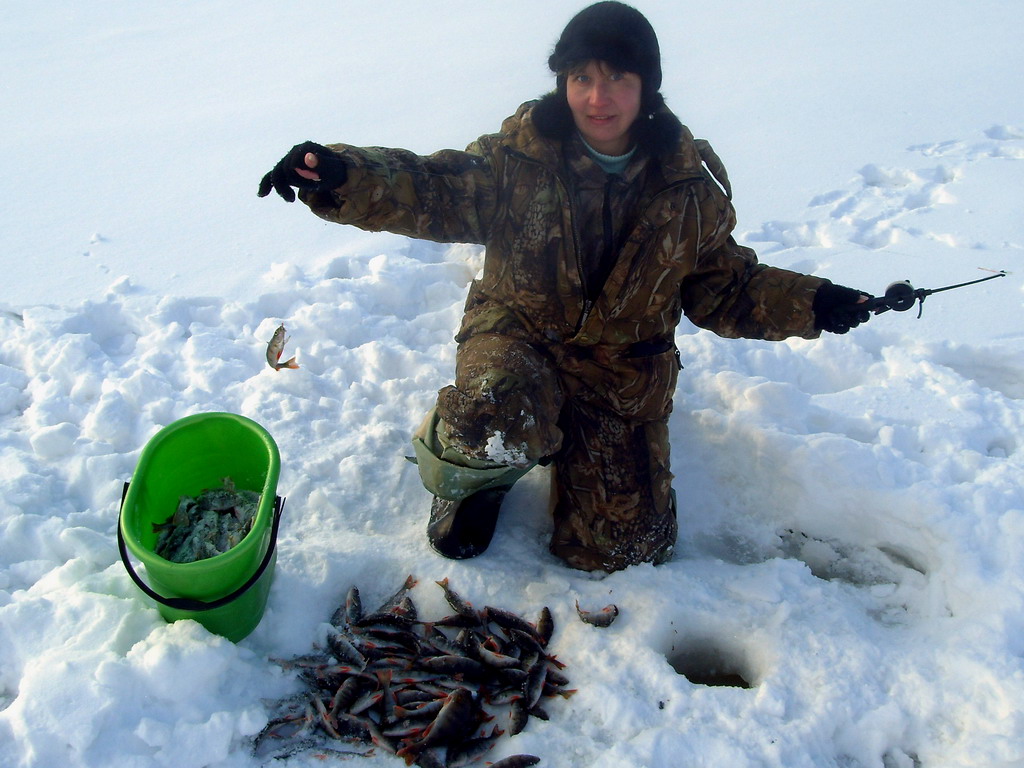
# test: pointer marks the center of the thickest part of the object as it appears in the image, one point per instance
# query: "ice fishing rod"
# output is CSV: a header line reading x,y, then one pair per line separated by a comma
x,y
901,296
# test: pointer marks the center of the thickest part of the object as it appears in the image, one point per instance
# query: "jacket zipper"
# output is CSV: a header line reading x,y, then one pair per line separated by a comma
x,y
607,246
588,304
607,263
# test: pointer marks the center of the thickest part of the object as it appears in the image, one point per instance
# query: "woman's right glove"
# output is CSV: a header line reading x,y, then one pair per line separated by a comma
x,y
837,308
307,166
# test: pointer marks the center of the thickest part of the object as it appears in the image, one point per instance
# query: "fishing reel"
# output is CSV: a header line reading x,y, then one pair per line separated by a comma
x,y
902,296
899,297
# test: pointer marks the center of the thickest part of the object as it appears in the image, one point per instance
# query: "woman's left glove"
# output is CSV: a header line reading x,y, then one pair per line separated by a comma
x,y
307,166
837,308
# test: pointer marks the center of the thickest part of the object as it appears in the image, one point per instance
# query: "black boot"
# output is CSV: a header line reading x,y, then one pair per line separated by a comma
x,y
462,529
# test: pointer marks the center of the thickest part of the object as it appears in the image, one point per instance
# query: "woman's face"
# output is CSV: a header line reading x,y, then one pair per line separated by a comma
x,y
604,104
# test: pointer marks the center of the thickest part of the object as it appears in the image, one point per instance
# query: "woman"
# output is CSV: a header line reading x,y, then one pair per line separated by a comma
x,y
604,221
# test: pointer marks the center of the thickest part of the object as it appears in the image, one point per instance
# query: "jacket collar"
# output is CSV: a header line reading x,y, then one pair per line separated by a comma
x,y
539,128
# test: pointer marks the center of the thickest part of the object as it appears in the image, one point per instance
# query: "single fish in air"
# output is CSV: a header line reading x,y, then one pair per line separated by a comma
x,y
275,348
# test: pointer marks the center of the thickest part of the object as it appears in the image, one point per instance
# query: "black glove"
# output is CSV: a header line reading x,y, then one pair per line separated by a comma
x,y
837,308
330,171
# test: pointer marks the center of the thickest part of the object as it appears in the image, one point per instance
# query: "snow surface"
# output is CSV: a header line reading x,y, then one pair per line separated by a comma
x,y
852,519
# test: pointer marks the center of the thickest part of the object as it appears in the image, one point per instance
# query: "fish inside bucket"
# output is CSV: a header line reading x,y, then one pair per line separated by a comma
x,y
207,525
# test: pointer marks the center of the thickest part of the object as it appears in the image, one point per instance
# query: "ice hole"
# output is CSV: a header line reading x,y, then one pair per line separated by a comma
x,y
705,664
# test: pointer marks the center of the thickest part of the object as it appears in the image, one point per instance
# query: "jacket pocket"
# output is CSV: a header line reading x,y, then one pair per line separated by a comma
x,y
638,386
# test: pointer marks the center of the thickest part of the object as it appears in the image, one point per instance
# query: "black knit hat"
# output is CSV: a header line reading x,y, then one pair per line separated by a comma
x,y
613,32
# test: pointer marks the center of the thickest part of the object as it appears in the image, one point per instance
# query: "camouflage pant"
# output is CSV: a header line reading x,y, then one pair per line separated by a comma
x,y
512,404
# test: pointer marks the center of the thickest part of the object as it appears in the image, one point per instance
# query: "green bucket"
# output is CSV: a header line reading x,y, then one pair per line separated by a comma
x,y
227,593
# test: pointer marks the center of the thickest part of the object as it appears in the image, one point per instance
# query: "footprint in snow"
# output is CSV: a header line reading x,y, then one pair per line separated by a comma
x,y
887,204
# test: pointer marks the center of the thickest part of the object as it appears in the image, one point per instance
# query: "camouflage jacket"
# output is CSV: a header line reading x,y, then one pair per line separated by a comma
x,y
513,192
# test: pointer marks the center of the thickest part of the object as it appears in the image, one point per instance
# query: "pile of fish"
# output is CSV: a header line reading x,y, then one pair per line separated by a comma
x,y
435,693
207,525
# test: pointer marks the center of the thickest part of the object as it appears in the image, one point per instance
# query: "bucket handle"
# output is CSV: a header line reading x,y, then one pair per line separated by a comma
x,y
188,603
